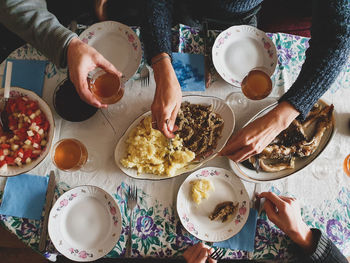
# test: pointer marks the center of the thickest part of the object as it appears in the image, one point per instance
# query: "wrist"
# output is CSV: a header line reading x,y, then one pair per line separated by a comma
x,y
163,69
285,113
304,239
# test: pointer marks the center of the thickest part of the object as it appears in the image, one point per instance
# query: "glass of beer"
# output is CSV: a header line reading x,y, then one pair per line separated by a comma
x,y
106,87
71,155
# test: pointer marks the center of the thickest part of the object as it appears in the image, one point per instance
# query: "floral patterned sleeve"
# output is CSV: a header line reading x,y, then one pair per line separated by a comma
x,y
156,29
328,52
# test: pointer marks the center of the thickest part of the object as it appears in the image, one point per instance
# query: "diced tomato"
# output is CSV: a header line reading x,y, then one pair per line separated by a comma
x,y
33,105
29,112
5,146
9,159
1,152
45,126
38,120
21,106
27,153
37,138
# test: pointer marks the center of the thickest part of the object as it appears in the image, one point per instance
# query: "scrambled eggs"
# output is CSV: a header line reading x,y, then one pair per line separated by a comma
x,y
200,188
148,151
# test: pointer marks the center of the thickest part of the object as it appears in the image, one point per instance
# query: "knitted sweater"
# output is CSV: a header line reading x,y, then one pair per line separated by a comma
x,y
325,252
328,51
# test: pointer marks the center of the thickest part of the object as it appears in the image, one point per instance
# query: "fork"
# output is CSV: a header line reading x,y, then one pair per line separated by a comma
x,y
217,254
144,75
132,200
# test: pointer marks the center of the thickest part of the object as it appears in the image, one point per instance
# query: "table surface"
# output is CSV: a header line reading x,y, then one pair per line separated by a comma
x,y
322,188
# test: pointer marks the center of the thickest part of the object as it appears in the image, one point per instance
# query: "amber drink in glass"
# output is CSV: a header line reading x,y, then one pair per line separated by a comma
x,y
69,155
106,87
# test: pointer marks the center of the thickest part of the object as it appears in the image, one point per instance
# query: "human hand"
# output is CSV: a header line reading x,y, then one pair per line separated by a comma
x,y
285,213
198,253
82,59
167,98
253,138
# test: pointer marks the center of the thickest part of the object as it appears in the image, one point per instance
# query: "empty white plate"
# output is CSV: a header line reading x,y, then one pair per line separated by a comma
x,y
85,223
239,49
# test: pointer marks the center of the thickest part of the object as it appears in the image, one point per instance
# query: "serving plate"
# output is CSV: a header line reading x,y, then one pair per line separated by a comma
x,y
194,218
219,107
300,163
85,223
239,49
15,170
118,43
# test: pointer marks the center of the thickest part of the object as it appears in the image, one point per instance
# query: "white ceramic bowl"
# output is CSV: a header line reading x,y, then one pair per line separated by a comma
x,y
15,170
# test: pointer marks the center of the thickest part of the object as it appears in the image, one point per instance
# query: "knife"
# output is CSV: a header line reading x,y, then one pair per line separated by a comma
x,y
255,199
49,196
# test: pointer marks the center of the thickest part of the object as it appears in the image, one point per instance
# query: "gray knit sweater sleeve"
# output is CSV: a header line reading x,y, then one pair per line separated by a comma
x,y
31,21
328,52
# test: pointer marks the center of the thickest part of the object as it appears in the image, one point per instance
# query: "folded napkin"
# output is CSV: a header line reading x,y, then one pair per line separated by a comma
x,y
24,196
27,74
244,240
189,69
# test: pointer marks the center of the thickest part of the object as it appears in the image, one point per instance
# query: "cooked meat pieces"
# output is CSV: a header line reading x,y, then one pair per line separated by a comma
x,y
224,211
293,141
199,127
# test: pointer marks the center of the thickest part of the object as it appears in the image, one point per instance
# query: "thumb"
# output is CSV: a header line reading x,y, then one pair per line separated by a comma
x,y
108,66
172,119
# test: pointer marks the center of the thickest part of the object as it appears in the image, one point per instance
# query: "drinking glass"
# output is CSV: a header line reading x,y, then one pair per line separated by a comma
x,y
106,87
346,165
71,155
256,85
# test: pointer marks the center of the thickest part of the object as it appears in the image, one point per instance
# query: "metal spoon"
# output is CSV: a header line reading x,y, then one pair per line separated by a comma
x,y
4,116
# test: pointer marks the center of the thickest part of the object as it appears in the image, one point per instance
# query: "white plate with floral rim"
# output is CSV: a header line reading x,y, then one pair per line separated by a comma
x,y
239,49
219,106
85,223
250,175
44,107
118,43
195,218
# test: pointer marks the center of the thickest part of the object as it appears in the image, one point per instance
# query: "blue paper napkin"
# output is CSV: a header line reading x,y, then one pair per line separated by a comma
x,y
189,69
24,196
27,74
245,239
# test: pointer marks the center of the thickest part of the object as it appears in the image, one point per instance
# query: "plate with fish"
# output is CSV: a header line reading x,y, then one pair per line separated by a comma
x,y
222,208
293,149
204,125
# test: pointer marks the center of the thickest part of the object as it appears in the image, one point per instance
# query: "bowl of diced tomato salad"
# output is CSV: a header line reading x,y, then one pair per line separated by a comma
x,y
32,131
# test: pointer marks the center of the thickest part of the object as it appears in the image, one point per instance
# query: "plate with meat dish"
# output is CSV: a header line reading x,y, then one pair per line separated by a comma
x,y
32,131
212,204
293,149
204,126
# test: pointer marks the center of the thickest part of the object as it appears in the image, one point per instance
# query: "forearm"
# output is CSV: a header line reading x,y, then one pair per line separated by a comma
x,y
156,29
31,21
328,52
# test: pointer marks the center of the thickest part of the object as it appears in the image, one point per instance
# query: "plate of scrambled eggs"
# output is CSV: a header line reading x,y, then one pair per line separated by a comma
x,y
144,153
198,200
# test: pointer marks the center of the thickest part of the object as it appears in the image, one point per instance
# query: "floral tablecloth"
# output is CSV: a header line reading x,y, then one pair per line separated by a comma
x,y
322,188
